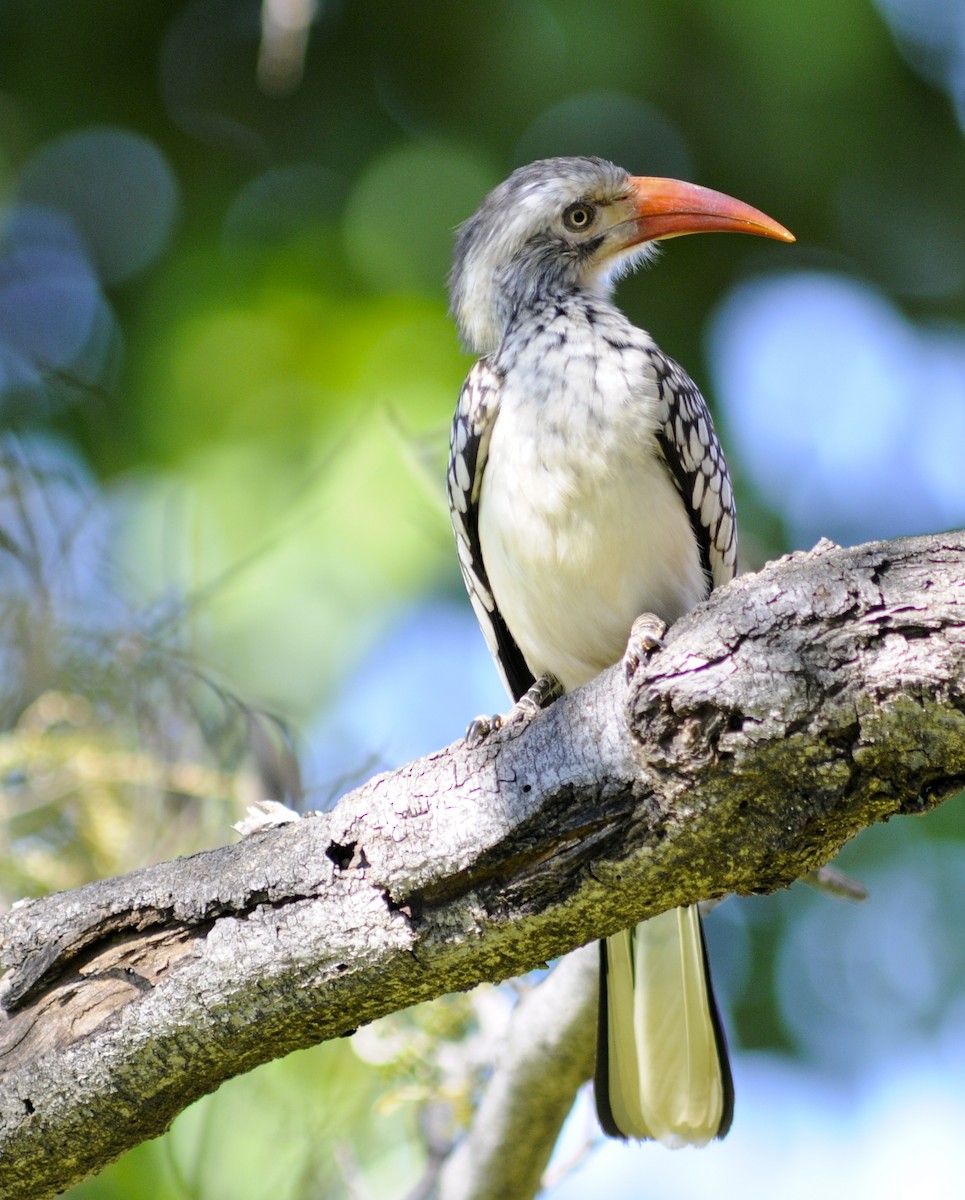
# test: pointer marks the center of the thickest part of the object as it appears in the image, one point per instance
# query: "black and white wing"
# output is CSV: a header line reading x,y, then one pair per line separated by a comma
x,y
690,447
472,425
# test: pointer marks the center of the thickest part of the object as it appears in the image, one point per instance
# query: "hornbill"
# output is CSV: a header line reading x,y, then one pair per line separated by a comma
x,y
592,505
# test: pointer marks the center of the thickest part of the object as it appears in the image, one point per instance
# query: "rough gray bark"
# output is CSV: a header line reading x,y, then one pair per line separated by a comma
x,y
793,709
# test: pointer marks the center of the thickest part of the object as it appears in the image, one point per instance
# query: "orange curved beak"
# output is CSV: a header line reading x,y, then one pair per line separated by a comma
x,y
667,208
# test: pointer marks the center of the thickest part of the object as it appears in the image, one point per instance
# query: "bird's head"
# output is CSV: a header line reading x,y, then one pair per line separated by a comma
x,y
564,223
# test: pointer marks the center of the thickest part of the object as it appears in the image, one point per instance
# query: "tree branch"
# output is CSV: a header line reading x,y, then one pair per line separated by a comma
x,y
547,1054
793,709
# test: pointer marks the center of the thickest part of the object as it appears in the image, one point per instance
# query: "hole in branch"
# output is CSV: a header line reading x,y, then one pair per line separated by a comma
x,y
410,907
341,856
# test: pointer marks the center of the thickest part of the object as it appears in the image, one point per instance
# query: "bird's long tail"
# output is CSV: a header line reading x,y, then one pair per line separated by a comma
x,y
662,1066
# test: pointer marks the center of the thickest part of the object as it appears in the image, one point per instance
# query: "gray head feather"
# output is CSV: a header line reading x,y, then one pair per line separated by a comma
x,y
514,251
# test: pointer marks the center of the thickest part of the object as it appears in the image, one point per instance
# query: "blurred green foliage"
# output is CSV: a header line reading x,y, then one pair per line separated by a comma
x,y
230,347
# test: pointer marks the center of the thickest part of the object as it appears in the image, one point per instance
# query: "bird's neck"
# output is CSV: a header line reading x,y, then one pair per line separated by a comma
x,y
557,314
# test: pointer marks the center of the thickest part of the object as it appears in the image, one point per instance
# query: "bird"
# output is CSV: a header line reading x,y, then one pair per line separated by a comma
x,y
592,507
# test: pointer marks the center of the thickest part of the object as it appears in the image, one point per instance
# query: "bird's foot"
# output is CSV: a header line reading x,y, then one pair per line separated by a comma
x,y
543,692
481,727
646,635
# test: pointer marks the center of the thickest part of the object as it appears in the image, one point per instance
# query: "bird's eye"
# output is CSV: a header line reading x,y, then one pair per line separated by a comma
x,y
579,216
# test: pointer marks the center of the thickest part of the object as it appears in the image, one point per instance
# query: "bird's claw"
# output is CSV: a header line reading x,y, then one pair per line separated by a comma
x,y
481,727
545,690
646,636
